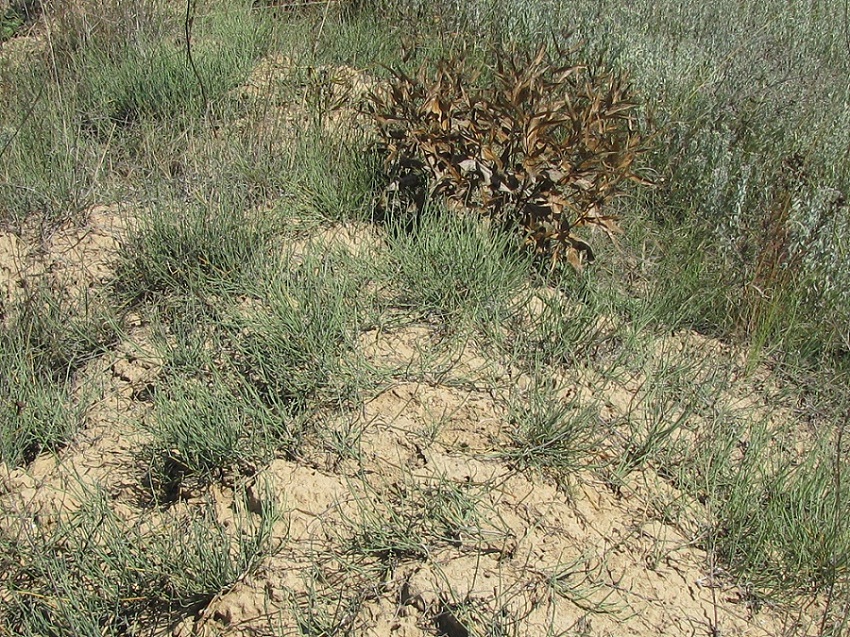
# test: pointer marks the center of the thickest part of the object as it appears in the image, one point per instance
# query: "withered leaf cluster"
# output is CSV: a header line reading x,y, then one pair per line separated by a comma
x,y
539,145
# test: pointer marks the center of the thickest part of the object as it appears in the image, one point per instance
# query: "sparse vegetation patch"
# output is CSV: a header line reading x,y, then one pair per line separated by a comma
x,y
273,363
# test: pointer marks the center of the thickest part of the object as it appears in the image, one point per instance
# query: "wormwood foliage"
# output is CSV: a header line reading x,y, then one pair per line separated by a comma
x,y
537,145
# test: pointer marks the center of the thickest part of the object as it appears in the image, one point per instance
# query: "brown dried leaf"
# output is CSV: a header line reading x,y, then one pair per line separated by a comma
x,y
549,145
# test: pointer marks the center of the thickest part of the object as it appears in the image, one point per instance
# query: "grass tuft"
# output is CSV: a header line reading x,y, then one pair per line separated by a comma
x,y
43,342
290,348
455,269
152,79
780,524
97,574
205,432
201,250
551,431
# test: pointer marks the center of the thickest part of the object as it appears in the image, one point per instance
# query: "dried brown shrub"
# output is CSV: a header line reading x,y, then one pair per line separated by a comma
x,y
541,146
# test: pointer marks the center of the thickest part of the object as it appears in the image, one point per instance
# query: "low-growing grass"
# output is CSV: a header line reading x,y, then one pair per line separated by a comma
x,y
413,519
772,483
112,575
677,388
781,524
743,239
356,39
454,268
43,342
323,612
334,176
48,171
775,500
239,390
78,109
37,415
554,329
152,80
290,349
552,432
203,433
200,249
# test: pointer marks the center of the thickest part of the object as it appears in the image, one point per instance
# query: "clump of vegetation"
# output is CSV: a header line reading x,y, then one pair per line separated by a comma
x,y
531,143
453,269
10,22
202,249
44,341
288,350
114,576
16,16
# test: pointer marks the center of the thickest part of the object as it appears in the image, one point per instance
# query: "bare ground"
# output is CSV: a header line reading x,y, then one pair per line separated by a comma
x,y
480,544
463,539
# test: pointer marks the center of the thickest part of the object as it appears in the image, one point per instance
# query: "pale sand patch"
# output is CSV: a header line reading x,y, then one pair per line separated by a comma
x,y
500,549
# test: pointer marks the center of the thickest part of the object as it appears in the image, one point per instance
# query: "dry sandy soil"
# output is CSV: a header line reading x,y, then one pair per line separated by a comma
x,y
515,553
496,550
